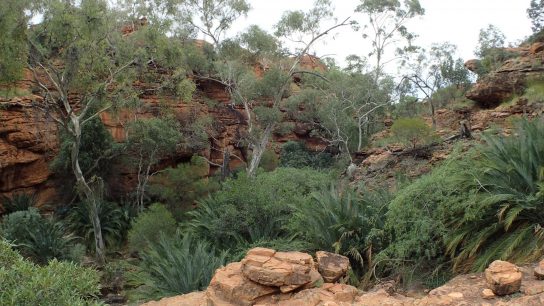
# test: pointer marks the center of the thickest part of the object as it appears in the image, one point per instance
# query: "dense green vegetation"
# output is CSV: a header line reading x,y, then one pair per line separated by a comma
x,y
57,283
184,208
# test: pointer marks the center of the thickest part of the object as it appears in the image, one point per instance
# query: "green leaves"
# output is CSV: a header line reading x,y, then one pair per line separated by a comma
x,y
174,265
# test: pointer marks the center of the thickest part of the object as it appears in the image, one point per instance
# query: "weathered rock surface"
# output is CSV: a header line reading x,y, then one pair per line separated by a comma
x,y
510,78
503,278
464,290
331,266
539,270
289,270
267,277
29,139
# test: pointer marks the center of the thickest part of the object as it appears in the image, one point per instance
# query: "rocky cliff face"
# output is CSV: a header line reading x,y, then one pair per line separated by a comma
x,y
511,78
29,139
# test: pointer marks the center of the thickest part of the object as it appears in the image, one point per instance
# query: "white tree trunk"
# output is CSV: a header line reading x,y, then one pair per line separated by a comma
x,y
258,150
87,191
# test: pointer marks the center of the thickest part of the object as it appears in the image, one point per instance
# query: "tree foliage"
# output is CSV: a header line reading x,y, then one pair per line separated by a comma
x,y
411,132
536,14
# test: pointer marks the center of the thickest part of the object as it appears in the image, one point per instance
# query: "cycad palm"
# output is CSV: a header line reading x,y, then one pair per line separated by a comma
x,y
511,214
345,222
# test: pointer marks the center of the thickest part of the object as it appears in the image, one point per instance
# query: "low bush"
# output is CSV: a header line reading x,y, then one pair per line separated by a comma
x,y
296,155
412,132
36,237
172,266
113,220
179,188
248,210
56,284
17,202
347,222
148,226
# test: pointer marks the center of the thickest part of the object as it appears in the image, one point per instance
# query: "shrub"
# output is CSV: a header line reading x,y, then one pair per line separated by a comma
x,y
113,220
418,217
36,237
269,161
535,91
248,210
17,202
182,186
345,222
149,225
412,132
295,154
173,266
56,284
507,222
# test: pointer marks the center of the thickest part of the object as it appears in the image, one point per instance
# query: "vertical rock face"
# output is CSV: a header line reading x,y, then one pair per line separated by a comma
x,y
510,79
29,140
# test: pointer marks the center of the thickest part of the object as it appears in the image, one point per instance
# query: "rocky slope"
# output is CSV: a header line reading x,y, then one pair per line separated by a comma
x,y
266,277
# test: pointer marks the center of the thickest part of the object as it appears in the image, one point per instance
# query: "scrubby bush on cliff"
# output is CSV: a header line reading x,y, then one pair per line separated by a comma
x,y
412,132
149,225
56,284
173,265
248,210
347,222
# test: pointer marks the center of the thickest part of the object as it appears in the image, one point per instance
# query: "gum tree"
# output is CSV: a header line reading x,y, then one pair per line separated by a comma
x,y
84,66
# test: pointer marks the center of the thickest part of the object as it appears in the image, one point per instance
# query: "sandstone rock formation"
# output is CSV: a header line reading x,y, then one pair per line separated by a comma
x,y
331,266
29,140
510,78
539,270
503,278
267,277
230,287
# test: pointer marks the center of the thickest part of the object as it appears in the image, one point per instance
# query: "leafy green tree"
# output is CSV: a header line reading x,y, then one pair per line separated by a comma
x,y
490,38
182,186
82,36
388,21
239,77
147,227
536,14
436,69
343,106
150,140
412,131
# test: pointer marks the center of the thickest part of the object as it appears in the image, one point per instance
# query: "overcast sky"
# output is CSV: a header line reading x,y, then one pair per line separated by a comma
x,y
456,21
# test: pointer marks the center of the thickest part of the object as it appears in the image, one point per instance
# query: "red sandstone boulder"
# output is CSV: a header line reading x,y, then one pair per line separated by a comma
x,y
331,266
503,278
